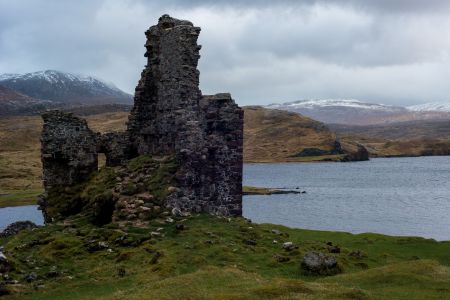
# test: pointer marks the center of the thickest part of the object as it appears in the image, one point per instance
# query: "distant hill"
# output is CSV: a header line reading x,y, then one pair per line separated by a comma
x,y
355,112
14,103
442,107
412,138
65,88
279,136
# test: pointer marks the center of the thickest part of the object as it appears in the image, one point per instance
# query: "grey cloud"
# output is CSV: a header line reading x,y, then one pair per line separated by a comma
x,y
261,51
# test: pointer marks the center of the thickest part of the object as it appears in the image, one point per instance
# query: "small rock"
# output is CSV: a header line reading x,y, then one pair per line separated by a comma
x,y
154,233
179,227
31,277
276,231
334,249
320,264
5,265
172,189
288,246
250,242
357,254
139,202
159,229
169,220
52,274
274,242
103,245
281,258
145,197
209,242
176,212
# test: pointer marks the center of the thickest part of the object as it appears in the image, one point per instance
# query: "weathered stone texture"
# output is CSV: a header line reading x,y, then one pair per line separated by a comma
x,y
115,146
69,149
171,116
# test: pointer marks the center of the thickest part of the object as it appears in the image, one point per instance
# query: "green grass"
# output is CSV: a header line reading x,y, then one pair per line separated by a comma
x,y
209,260
251,190
19,198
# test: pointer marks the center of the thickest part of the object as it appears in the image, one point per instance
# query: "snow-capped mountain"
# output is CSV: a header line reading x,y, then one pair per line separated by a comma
x,y
64,87
426,107
342,111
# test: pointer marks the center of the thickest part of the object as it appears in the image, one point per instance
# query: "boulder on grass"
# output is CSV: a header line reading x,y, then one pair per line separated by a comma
x,y
317,263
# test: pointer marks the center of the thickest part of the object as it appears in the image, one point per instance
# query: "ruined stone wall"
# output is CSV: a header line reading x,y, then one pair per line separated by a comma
x,y
170,117
69,149
166,103
116,147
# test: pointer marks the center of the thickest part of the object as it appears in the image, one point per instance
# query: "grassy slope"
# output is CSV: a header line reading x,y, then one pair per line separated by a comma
x,y
208,260
274,136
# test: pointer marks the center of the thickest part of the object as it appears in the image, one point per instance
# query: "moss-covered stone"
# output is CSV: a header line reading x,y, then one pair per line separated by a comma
x,y
114,191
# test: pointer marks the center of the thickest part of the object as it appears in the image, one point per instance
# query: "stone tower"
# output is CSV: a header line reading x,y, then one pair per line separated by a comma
x,y
171,117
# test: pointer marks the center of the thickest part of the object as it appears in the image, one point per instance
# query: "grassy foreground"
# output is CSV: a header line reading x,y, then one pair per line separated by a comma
x,y
210,259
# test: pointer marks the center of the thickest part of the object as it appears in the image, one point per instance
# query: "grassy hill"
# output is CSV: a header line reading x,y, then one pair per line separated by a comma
x,y
210,259
277,136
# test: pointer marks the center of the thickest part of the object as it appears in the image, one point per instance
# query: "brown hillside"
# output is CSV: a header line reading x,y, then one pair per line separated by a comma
x,y
275,135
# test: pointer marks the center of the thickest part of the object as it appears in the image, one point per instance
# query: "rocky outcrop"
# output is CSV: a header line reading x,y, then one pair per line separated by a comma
x,y
170,117
17,227
356,153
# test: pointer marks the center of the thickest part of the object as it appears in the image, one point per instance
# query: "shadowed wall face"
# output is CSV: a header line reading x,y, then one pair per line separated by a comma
x,y
69,149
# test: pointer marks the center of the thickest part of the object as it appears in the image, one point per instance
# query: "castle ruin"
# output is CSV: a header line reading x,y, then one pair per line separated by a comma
x,y
170,117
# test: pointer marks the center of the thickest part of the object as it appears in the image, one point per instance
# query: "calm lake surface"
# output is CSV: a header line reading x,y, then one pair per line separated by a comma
x,y
10,215
394,196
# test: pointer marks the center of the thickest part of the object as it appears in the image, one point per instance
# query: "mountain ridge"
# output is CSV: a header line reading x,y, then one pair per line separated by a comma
x,y
356,112
64,87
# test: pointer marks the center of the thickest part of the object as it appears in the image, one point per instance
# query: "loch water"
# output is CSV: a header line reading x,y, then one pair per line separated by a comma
x,y
394,196
10,215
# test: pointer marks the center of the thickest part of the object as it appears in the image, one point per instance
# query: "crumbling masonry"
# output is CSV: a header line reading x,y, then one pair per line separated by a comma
x,y
170,117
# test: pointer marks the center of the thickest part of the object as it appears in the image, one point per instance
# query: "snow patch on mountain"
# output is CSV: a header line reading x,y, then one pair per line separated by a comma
x,y
436,106
334,103
65,87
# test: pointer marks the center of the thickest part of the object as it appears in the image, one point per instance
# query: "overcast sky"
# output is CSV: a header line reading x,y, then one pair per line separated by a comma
x,y
385,51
